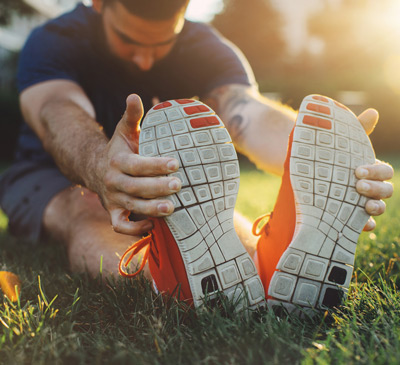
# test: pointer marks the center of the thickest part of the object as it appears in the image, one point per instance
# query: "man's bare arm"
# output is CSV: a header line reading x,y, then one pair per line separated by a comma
x,y
259,127
63,118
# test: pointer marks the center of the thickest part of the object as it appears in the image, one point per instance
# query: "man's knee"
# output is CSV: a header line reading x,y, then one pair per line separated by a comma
x,y
70,210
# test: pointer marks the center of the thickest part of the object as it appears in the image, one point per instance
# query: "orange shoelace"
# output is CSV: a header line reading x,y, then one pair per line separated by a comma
x,y
264,219
133,251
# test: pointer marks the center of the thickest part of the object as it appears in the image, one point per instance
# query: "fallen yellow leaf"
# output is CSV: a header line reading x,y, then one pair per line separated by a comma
x,y
8,283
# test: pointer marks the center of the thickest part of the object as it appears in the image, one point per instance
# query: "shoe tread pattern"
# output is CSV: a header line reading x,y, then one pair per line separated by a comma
x,y
202,223
328,144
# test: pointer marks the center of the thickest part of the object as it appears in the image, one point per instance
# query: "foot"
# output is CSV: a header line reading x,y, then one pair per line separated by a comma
x,y
306,251
196,247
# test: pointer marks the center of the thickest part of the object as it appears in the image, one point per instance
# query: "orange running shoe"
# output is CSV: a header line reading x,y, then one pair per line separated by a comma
x,y
305,253
195,252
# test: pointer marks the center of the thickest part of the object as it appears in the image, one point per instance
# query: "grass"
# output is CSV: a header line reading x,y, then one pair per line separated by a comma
x,y
68,318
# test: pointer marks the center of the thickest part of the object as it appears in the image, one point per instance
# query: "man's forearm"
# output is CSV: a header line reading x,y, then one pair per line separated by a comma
x,y
74,139
259,127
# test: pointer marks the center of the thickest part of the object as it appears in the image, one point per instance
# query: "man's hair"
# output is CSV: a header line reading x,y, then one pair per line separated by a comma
x,y
151,9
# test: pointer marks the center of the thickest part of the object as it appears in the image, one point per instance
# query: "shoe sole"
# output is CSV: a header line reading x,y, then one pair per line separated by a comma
x,y
329,143
202,223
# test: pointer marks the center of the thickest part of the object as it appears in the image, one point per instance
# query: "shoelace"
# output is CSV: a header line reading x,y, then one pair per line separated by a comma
x,y
265,218
148,241
133,251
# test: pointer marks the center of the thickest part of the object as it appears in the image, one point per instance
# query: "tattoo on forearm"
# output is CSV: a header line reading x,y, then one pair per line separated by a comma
x,y
237,126
233,104
237,120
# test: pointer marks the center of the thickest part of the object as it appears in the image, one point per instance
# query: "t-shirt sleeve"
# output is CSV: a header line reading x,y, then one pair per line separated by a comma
x,y
46,56
215,62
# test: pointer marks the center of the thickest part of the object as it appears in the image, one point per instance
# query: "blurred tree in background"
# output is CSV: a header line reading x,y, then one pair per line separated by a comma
x,y
10,7
255,27
362,52
356,45
10,119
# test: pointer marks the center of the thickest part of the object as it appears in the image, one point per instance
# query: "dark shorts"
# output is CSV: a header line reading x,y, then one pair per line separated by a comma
x,y
25,190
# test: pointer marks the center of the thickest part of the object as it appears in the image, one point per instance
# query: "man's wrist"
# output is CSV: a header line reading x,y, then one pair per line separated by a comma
x,y
94,170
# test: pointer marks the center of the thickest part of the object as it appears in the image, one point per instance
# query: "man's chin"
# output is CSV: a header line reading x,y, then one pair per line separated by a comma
x,y
133,68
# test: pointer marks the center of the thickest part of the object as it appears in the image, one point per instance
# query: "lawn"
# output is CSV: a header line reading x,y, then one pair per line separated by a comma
x,y
68,318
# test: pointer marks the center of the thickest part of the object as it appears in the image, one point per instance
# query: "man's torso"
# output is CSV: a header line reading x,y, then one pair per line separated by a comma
x,y
72,47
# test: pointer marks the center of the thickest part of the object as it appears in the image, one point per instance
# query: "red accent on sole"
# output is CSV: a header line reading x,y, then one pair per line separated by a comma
x,y
204,122
317,122
320,98
190,110
184,101
163,105
319,108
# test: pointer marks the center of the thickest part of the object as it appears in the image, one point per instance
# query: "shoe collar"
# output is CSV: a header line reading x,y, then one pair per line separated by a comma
x,y
261,224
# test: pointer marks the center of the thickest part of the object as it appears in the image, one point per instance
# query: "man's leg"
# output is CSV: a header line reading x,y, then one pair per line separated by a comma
x,y
306,250
243,229
76,217
41,203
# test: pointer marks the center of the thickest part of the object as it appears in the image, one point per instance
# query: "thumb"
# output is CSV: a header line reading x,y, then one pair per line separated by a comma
x,y
129,125
368,119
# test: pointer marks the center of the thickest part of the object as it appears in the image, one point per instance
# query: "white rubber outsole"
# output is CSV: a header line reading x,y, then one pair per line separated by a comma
x,y
202,223
329,144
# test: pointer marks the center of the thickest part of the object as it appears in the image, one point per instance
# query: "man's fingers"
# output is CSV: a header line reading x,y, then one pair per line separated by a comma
x,y
121,223
375,207
156,100
369,119
370,224
135,165
130,122
375,189
147,187
380,171
149,208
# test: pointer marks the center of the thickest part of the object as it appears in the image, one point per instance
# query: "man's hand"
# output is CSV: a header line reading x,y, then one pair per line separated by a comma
x,y
129,183
372,183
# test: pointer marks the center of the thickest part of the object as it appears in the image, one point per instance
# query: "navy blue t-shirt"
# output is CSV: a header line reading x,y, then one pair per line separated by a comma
x,y
73,47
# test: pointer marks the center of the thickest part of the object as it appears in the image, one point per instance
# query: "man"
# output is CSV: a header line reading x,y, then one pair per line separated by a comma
x,y
75,74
